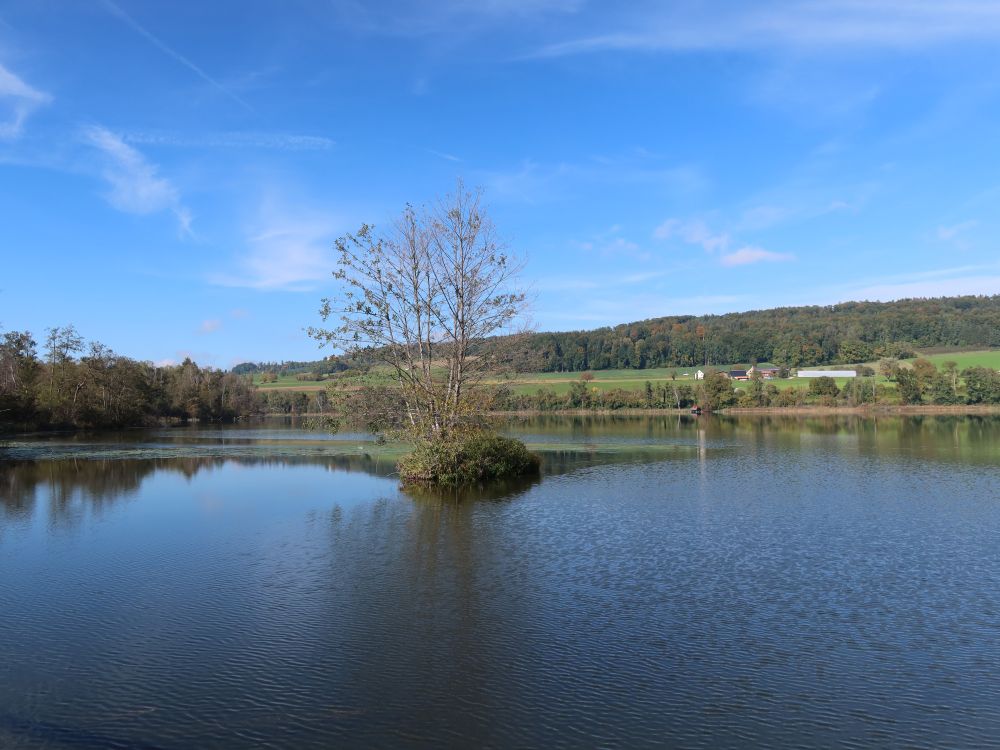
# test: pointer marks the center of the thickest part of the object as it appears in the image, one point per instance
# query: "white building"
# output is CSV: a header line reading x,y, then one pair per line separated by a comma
x,y
827,374
699,375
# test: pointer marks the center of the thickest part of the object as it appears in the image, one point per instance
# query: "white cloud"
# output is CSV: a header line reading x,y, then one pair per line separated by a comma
x,y
696,232
987,285
619,245
763,216
232,139
803,25
939,282
17,101
693,232
594,309
578,284
747,255
210,326
949,233
135,185
534,182
285,250
610,243
443,155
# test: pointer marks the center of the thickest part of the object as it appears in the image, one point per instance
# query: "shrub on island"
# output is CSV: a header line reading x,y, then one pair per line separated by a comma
x,y
466,457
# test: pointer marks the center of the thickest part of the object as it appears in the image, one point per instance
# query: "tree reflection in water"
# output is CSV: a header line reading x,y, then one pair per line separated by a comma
x,y
566,444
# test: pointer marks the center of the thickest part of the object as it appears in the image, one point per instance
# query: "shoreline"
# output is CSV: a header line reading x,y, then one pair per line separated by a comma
x,y
868,410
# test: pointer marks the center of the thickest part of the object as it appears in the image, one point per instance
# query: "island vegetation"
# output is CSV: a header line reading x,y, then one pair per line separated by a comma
x,y
419,300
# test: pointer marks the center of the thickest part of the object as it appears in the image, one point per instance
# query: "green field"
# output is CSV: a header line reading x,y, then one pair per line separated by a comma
x,y
972,358
604,380
658,373
289,383
982,358
634,380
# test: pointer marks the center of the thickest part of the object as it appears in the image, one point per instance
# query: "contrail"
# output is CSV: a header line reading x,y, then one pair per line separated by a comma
x,y
115,10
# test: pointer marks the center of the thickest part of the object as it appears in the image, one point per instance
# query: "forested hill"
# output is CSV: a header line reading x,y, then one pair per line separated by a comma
x,y
792,336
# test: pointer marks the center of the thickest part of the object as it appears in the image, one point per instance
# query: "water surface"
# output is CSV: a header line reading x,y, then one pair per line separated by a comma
x,y
666,582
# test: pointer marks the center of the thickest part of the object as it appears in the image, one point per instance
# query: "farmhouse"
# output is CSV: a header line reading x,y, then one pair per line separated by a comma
x,y
766,372
738,375
700,375
827,374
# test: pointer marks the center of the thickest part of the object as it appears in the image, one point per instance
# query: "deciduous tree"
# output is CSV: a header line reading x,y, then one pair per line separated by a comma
x,y
421,298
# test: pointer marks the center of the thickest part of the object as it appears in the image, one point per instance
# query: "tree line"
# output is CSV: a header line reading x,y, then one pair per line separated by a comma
x,y
73,384
789,336
326,366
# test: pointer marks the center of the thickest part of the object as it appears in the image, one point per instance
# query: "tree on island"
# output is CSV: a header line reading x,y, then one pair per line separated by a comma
x,y
420,300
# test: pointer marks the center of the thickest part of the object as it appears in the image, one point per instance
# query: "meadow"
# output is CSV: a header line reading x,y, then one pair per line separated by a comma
x,y
980,358
288,382
635,380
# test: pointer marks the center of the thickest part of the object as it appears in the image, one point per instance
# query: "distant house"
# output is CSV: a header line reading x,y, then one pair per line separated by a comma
x,y
738,375
700,375
827,374
766,372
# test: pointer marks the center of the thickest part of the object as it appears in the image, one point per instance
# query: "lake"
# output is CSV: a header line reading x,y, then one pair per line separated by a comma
x,y
667,582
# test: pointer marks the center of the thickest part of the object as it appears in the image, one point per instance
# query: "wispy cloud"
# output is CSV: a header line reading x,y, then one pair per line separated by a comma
x,y
210,326
117,11
748,255
973,279
962,285
17,101
535,182
578,284
764,216
697,232
610,243
236,139
285,251
804,25
951,233
135,184
442,155
594,309
693,232
810,194
412,18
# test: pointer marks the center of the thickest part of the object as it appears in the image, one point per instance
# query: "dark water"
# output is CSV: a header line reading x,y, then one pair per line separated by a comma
x,y
667,583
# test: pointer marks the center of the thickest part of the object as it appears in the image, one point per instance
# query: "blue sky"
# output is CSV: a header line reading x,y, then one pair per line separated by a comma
x,y
172,175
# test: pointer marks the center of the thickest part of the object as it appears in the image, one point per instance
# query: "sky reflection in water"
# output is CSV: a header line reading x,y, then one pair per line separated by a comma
x,y
696,583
